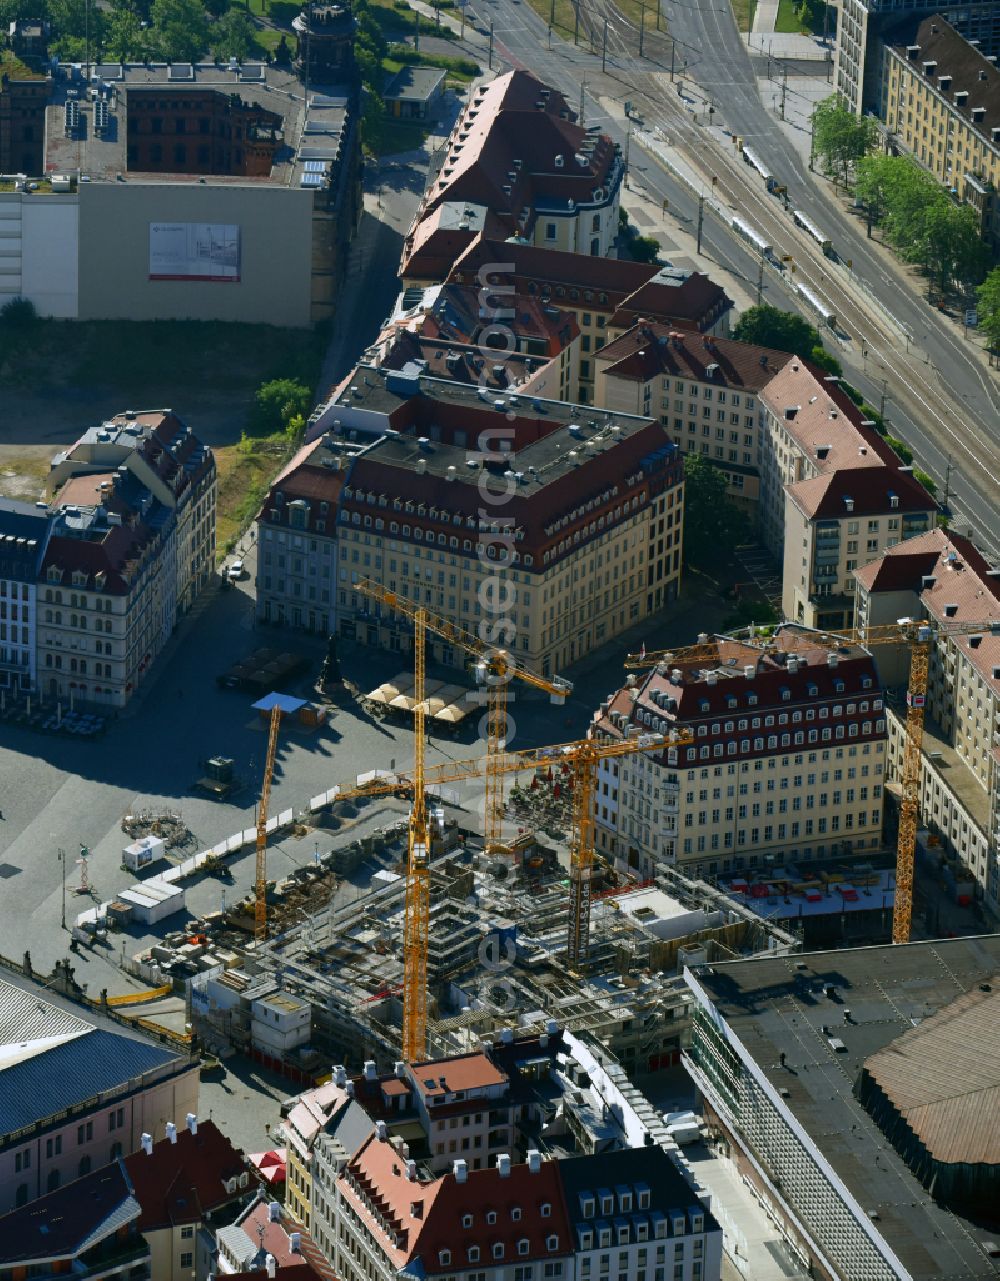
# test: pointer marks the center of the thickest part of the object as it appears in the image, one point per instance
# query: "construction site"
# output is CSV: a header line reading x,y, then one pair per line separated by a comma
x,y
489,909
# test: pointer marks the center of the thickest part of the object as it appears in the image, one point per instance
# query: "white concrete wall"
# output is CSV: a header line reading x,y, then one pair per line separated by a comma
x,y
39,251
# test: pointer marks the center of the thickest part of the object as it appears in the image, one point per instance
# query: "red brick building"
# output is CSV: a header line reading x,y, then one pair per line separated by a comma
x,y
200,131
23,100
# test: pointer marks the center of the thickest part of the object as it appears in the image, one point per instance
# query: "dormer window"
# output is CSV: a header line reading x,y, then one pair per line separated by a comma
x,y
498,1249
523,1245
587,1206
625,1197
444,1257
473,1253
546,1210
466,1220
552,1241
491,1216
607,1203
515,1213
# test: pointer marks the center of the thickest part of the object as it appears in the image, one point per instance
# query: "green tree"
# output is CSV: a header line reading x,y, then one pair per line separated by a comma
x,y
953,248
784,331
234,35
822,358
277,403
925,480
901,448
125,38
180,29
988,297
644,249
840,137
713,524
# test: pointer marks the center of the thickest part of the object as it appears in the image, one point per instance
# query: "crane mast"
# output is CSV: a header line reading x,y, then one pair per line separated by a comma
x,y
260,882
416,925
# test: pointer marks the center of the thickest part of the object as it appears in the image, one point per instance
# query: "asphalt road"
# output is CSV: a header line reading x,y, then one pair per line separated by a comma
x,y
950,418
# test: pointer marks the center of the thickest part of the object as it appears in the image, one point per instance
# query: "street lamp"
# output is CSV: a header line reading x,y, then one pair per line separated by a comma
x,y
61,855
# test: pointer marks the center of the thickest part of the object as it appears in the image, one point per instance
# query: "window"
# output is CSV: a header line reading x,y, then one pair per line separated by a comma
x,y
187,1259
187,1232
546,1210
550,231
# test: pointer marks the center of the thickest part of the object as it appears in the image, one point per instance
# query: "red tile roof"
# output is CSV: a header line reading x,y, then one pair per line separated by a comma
x,y
516,147
696,300
526,265
652,349
963,590
464,1072
695,700
182,1182
517,1203
868,489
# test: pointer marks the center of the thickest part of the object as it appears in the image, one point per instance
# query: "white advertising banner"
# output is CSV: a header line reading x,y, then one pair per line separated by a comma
x,y
207,251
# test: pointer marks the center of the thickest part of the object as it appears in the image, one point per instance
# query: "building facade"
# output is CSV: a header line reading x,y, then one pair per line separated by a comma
x,y
24,96
833,495
942,577
861,25
83,1096
787,761
24,536
940,101
517,149
605,297
580,540
167,458
704,390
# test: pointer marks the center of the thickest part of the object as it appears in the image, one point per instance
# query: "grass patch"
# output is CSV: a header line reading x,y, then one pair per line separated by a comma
x,y
744,11
12,67
460,70
134,356
268,38
244,473
398,24
788,21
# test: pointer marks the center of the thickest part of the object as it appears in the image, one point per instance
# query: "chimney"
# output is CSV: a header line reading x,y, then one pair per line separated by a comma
x,y
534,1160
381,1131
503,1165
295,1242
192,1122
750,671
552,1027
274,1211
832,659
369,1069
460,1169
400,1069
271,1265
147,1144
411,1170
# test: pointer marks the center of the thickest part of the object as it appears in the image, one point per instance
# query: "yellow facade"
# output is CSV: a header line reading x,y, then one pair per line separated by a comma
x,y
926,121
555,616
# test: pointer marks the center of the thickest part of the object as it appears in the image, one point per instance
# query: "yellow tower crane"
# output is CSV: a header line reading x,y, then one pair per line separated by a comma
x,y
498,668
583,756
918,635
416,918
260,884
